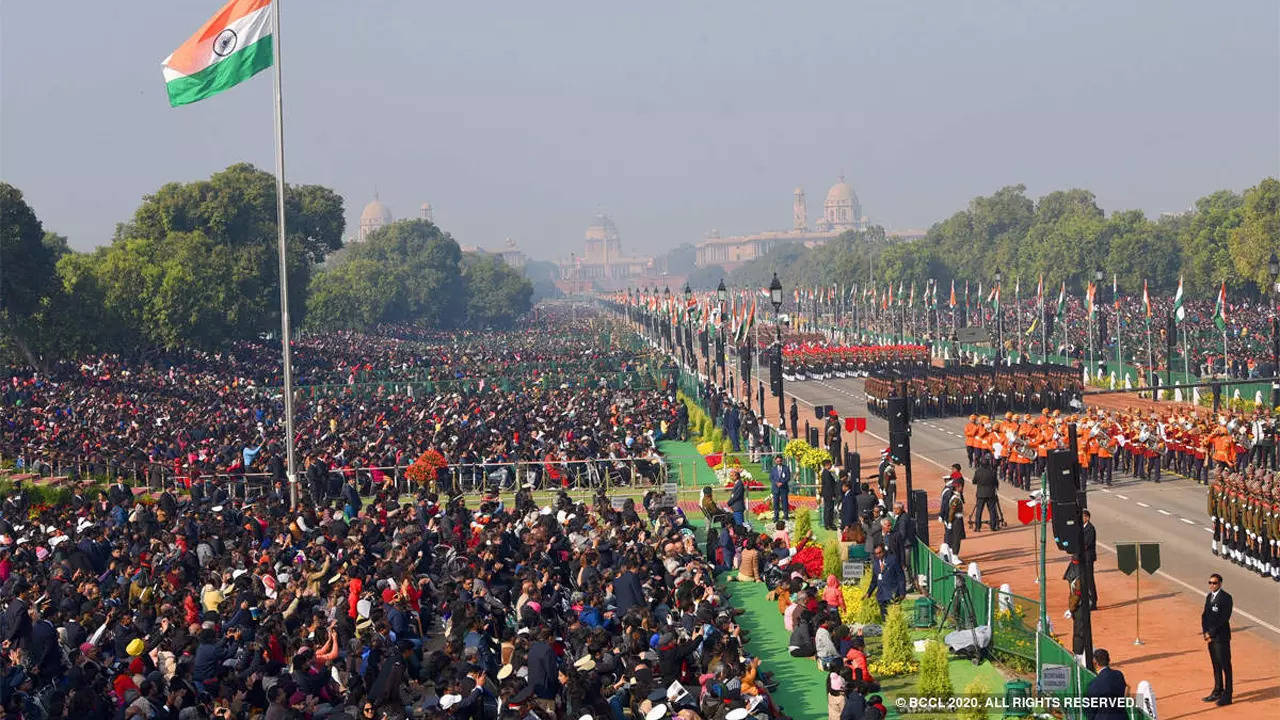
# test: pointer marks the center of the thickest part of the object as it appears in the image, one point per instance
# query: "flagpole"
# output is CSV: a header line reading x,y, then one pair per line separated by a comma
x,y
1151,364
1017,308
1115,300
290,451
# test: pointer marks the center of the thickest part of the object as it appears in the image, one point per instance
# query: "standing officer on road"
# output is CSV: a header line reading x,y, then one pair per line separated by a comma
x,y
830,495
985,482
780,486
1215,623
1088,556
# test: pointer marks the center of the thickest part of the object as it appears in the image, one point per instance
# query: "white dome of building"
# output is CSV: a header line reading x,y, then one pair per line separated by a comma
x,y
841,210
374,216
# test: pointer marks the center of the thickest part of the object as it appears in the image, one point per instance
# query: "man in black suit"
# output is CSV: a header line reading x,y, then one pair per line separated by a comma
x,y
848,505
887,583
985,482
737,498
1215,623
830,495
1109,683
1088,556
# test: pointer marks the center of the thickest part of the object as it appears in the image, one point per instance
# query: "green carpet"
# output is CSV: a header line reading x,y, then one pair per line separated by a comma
x,y
801,685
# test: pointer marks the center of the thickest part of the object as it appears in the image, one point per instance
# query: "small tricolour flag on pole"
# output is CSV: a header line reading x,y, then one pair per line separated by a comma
x,y
233,46
1178,313
952,301
1062,301
1220,309
1146,301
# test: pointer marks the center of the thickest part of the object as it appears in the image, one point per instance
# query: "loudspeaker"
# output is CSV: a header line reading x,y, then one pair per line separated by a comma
x,y
918,509
853,463
1061,476
821,412
812,436
900,447
1066,528
899,415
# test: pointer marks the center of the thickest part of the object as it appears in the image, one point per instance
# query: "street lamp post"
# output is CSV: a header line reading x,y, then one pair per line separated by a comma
x,y
775,298
722,293
1273,267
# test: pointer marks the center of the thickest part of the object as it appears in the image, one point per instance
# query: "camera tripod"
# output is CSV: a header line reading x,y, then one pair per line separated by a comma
x,y
961,610
977,507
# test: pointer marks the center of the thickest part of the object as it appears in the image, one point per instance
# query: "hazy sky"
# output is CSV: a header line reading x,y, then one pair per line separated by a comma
x,y
523,119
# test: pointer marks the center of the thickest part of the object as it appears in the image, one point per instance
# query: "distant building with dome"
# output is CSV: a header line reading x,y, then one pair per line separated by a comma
x,y
375,215
602,265
841,212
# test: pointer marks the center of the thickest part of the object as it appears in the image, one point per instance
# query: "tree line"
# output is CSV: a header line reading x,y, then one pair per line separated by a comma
x,y
1063,236
197,266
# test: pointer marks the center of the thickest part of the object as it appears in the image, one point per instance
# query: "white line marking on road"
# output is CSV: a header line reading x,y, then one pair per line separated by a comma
x,y
1122,497
1208,530
1106,491
1189,522
1142,504
1162,511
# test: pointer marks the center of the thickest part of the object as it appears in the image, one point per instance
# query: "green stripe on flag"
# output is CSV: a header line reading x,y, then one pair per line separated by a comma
x,y
232,70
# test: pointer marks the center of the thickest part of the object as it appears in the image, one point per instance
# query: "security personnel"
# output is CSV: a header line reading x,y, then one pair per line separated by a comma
x,y
1215,624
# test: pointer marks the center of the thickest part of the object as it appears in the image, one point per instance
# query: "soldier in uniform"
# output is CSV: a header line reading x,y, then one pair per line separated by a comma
x,y
1273,527
955,517
831,435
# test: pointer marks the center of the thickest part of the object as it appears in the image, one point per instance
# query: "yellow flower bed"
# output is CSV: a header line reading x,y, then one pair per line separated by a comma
x,y
892,669
705,448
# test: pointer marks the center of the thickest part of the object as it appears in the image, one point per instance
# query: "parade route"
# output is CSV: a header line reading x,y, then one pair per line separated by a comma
x,y
1172,513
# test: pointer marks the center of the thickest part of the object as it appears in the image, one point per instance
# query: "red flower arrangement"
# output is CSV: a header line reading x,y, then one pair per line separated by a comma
x,y
808,556
751,484
423,470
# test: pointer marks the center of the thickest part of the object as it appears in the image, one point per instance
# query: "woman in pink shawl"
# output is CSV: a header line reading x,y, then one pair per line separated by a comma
x,y
832,594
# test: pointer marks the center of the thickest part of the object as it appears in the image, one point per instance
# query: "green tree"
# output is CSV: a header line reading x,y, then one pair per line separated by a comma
x,y
1204,236
1257,238
496,294
26,267
198,263
1140,250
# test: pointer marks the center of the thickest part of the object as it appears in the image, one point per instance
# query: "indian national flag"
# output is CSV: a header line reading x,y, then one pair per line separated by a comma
x,y
234,45
952,301
1220,309
1146,301
1178,313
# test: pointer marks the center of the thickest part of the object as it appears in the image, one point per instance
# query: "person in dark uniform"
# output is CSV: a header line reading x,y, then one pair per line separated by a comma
x,y
831,434
1088,556
1215,623
830,495
985,482
794,419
